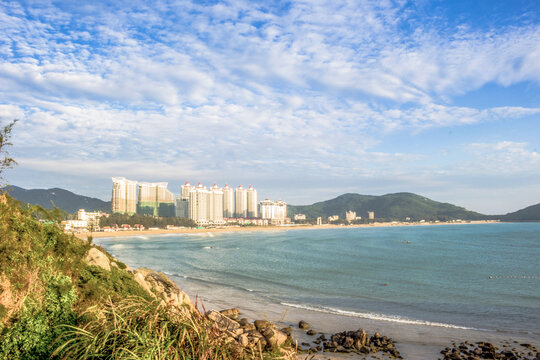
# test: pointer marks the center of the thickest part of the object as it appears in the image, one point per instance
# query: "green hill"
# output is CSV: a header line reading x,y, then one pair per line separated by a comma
x,y
63,199
398,206
530,213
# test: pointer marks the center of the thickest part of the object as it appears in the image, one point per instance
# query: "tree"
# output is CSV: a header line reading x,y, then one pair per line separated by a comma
x,y
6,161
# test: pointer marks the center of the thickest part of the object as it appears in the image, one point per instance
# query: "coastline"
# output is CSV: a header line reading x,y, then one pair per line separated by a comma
x,y
131,233
414,341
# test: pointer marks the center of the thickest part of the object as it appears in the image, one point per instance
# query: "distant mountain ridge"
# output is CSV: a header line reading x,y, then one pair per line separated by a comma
x,y
400,206
530,213
397,206
63,199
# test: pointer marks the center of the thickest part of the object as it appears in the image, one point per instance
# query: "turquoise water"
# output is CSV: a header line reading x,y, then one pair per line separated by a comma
x,y
462,276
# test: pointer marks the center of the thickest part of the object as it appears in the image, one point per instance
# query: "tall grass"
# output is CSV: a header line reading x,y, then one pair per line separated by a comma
x,y
135,328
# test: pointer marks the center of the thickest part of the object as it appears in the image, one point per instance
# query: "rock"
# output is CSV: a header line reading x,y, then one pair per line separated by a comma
x,y
287,330
243,321
97,258
261,324
115,265
161,287
243,340
222,321
231,313
303,325
249,327
274,337
311,332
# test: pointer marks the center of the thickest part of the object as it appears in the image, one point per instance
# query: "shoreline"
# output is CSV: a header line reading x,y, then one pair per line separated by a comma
x,y
413,341
131,233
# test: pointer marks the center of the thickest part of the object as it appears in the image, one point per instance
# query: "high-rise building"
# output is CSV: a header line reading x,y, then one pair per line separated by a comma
x,y
228,201
252,202
185,189
165,200
275,211
198,204
182,207
216,205
155,200
124,196
241,202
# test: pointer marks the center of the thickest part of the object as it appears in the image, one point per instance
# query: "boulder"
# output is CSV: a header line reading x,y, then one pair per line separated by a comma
x,y
231,313
303,325
261,324
98,258
222,322
161,287
274,337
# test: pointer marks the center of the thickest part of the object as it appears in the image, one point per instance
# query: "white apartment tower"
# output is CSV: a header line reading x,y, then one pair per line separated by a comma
x,y
185,189
241,202
215,205
251,202
124,196
198,204
275,211
228,201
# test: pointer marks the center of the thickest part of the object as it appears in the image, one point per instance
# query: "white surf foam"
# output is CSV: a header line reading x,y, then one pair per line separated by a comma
x,y
375,316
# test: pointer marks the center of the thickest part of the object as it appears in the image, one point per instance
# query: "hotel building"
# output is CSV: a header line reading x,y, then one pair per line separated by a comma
x,y
252,202
155,200
228,201
241,202
124,196
275,211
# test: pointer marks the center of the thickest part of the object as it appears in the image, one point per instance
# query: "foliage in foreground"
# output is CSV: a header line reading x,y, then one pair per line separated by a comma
x,y
54,305
135,328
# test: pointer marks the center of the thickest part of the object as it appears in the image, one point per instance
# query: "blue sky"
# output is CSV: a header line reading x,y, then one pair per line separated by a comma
x,y
305,100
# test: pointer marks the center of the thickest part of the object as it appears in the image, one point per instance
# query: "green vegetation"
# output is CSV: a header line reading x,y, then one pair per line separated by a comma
x,y
146,221
399,207
53,304
138,329
531,213
45,282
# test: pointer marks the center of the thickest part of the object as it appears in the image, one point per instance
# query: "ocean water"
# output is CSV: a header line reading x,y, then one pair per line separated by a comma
x,y
471,276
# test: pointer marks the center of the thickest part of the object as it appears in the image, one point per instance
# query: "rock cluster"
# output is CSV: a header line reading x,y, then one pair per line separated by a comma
x,y
161,287
361,343
260,334
486,350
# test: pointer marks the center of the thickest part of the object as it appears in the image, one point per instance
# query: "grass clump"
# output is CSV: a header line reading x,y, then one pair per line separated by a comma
x,y
136,328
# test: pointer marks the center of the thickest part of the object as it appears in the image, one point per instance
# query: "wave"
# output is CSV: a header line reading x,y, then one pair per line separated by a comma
x,y
375,316
118,246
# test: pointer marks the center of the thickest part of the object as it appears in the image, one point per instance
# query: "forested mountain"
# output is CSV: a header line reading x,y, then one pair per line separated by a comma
x,y
398,206
63,199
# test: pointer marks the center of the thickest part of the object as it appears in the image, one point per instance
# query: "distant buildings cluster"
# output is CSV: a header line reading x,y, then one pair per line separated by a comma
x,y
204,205
152,199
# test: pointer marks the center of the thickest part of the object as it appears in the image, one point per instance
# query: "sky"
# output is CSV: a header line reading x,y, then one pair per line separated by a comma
x,y
304,100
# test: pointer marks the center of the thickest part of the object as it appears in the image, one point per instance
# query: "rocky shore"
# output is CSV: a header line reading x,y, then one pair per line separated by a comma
x,y
262,336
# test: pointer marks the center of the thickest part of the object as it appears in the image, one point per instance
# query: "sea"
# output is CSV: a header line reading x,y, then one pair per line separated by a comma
x,y
477,277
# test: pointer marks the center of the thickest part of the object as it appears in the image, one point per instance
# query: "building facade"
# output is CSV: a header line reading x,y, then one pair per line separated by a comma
x,y
241,202
275,211
251,199
124,196
155,200
228,201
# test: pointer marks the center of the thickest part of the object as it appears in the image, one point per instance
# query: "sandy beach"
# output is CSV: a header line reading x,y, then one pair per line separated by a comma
x,y
129,233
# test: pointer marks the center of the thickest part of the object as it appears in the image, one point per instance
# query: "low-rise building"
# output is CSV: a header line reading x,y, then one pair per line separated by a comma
x,y
333,218
299,217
